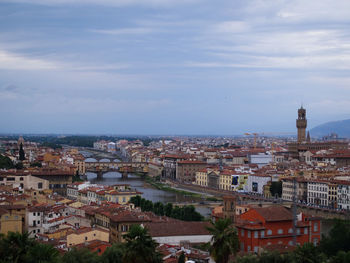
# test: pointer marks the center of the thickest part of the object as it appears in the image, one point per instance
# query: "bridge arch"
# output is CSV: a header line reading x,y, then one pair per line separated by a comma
x,y
90,160
105,160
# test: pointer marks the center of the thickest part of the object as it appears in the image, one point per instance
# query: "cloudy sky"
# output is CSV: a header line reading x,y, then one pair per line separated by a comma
x,y
172,66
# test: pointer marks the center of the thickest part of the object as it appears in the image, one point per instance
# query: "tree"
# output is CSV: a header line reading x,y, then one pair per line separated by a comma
x,y
276,188
136,200
341,257
21,153
42,253
224,241
5,162
19,166
36,164
181,258
168,209
140,247
308,253
80,256
338,238
15,246
113,254
158,208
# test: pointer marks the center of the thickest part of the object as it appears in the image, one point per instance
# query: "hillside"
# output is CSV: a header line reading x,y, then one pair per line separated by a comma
x,y
342,128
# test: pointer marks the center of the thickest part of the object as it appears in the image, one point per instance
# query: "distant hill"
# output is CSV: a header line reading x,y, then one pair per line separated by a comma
x,y
342,128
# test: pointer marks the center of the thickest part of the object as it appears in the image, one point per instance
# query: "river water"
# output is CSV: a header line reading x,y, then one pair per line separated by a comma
x,y
149,192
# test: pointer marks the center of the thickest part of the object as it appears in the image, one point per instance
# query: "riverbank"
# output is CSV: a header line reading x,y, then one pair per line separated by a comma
x,y
164,187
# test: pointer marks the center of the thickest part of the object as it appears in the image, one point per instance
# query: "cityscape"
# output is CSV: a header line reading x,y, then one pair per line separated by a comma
x,y
174,131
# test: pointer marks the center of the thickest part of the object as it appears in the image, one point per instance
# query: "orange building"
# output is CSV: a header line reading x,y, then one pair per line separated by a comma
x,y
260,228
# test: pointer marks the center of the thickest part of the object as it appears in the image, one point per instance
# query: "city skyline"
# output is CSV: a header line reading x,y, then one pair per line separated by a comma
x,y
171,67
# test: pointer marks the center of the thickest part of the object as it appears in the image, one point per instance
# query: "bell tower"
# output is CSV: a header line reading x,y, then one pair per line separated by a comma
x,y
301,125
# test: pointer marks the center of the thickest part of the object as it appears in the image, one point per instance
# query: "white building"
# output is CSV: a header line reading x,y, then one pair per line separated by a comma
x,y
260,159
111,147
344,195
317,192
256,183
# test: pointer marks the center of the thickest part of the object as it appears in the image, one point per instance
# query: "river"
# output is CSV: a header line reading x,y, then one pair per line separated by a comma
x,y
149,192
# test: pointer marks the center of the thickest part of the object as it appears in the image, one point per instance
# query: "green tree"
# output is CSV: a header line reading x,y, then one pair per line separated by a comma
x,y
83,255
21,153
224,241
15,246
140,247
276,188
42,253
36,164
136,200
158,208
338,238
181,258
5,162
148,206
341,257
113,254
168,209
308,253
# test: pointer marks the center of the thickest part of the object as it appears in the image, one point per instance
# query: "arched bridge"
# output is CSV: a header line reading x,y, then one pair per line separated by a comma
x,y
105,165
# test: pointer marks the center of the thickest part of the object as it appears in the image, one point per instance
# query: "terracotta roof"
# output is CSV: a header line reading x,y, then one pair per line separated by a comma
x,y
274,213
180,228
191,162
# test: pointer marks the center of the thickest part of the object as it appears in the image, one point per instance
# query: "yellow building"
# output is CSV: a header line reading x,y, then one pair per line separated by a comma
x,y
57,234
120,197
10,222
79,164
225,180
202,178
85,235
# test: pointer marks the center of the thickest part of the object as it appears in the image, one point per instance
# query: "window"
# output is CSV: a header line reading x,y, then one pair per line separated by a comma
x,y
280,231
248,248
86,238
40,185
269,232
298,231
242,232
315,241
262,233
256,234
290,243
38,230
290,230
249,233
256,249
34,214
21,178
315,227
305,231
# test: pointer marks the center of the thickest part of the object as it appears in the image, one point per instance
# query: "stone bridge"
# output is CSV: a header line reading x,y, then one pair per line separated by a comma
x,y
105,165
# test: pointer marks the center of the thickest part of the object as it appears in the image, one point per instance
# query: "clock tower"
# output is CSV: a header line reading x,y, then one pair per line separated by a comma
x,y
301,125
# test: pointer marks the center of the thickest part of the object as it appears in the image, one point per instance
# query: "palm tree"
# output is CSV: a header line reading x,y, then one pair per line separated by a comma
x,y
15,246
140,247
224,241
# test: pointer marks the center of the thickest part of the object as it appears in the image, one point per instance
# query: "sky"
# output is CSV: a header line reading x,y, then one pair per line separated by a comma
x,y
172,66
